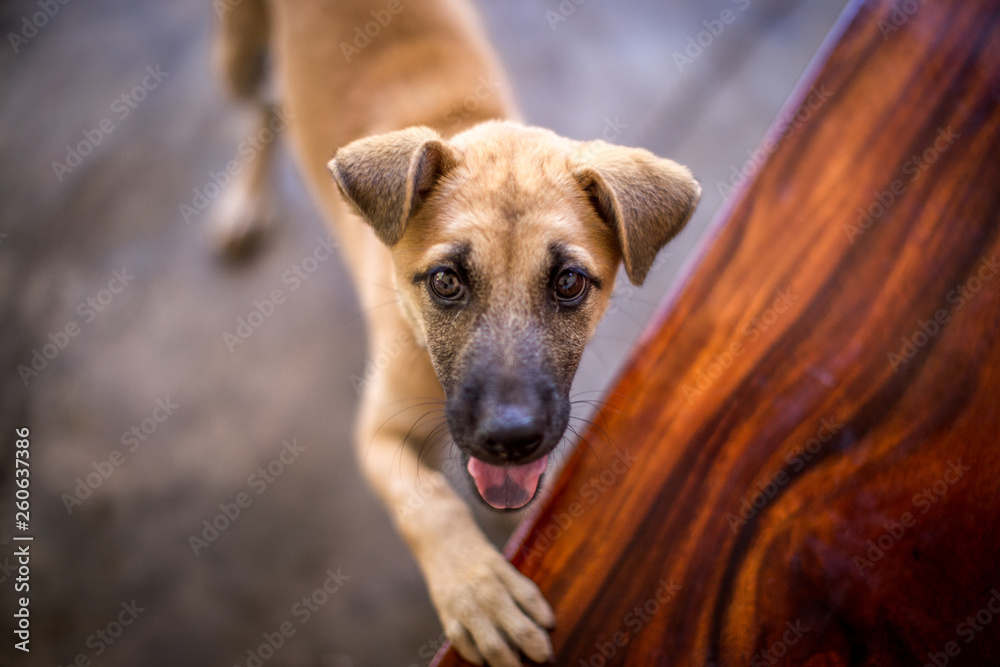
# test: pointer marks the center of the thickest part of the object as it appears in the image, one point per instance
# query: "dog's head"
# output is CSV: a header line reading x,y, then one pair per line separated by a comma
x,y
505,243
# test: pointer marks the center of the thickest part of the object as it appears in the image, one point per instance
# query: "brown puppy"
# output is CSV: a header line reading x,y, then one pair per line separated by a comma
x,y
500,243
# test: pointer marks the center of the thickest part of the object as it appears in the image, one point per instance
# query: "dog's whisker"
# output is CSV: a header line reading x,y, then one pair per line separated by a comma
x,y
596,405
576,434
391,288
429,439
393,416
604,392
595,426
381,305
419,419
427,400
399,412
595,402
582,441
406,438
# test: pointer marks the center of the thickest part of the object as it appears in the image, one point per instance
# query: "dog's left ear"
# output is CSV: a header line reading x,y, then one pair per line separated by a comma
x,y
387,176
646,200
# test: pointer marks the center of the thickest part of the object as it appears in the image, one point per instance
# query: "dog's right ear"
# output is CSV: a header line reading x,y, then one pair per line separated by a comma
x,y
387,176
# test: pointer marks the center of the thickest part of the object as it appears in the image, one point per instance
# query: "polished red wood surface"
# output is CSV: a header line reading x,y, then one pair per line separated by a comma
x,y
801,461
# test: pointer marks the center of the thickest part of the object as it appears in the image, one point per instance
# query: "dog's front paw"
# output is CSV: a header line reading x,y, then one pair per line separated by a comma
x,y
489,610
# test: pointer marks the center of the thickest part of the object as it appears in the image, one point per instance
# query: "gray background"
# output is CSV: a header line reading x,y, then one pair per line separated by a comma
x,y
162,335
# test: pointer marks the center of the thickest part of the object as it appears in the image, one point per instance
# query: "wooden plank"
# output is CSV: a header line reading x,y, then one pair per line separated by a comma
x,y
801,458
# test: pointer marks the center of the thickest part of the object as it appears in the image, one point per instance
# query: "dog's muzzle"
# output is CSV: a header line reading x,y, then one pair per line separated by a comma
x,y
507,426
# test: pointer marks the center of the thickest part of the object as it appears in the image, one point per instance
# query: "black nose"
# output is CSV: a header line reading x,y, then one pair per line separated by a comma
x,y
513,432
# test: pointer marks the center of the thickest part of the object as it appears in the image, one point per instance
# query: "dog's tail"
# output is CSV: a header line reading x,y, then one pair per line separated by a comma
x,y
241,46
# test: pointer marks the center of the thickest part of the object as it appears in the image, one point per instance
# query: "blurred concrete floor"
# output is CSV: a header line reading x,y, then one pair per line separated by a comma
x,y
157,339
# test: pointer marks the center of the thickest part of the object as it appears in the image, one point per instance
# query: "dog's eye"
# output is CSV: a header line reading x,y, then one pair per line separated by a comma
x,y
571,286
445,284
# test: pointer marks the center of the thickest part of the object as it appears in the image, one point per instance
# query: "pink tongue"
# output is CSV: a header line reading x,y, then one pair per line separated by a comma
x,y
507,487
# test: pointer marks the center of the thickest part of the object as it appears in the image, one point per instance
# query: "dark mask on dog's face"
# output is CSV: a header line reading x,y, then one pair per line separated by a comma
x,y
506,241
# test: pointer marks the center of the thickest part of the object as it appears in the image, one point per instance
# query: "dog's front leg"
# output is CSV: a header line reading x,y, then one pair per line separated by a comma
x,y
488,609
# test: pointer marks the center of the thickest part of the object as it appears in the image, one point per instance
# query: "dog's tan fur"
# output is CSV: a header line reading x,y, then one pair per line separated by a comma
x,y
414,180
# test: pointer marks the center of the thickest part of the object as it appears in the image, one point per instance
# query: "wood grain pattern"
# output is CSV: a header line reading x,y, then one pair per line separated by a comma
x,y
801,466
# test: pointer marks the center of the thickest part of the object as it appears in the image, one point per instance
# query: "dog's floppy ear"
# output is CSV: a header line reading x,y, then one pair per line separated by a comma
x,y
646,200
387,176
